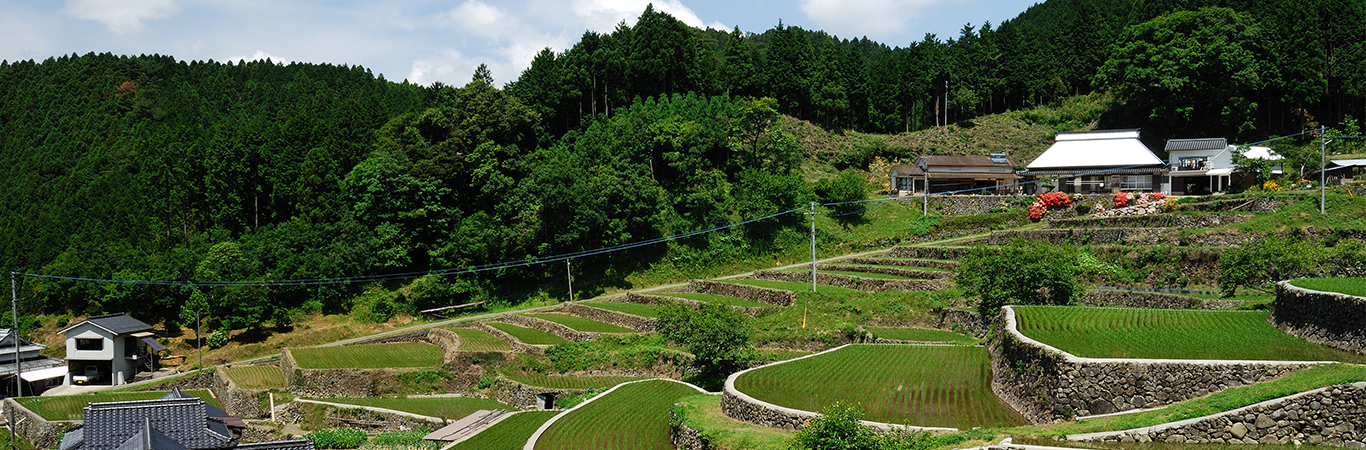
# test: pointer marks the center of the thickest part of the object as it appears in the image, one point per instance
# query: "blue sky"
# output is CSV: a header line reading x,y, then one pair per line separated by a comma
x,y
429,40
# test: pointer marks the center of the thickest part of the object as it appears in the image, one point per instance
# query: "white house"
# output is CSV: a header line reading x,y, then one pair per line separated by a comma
x,y
1099,161
1205,165
39,372
109,349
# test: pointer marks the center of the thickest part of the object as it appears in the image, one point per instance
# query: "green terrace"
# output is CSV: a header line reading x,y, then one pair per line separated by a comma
x,y
256,377
923,335
530,336
639,309
508,434
1349,286
632,417
72,407
374,356
475,340
1169,334
718,299
581,324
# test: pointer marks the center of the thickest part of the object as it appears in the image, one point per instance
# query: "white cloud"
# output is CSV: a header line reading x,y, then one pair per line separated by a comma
x,y
484,19
121,16
258,56
604,15
446,68
856,18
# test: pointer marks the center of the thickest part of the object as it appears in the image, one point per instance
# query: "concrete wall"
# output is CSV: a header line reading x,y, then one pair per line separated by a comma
x,y
853,282
1044,383
1329,318
777,297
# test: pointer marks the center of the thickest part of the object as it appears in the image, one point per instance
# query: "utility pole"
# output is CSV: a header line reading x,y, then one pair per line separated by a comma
x,y
1323,155
813,246
570,276
14,333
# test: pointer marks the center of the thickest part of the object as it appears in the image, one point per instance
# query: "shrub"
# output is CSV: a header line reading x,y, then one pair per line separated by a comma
x,y
217,339
837,428
1122,199
718,336
1029,273
1083,209
1048,201
337,438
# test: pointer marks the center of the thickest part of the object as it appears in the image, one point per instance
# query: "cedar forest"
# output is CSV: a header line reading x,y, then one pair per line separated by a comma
x,y
150,168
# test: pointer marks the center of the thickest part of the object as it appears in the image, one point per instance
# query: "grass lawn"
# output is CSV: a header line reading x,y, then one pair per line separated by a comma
x,y
72,407
639,309
508,434
582,324
718,299
1225,400
1169,333
634,417
375,356
529,335
567,381
476,340
256,377
703,413
1349,286
799,288
939,386
922,335
449,408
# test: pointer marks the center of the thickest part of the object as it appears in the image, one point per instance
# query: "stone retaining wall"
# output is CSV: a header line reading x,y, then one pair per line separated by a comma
x,y
294,412
752,293
1155,300
569,334
647,299
238,402
632,321
736,408
929,252
329,382
1073,236
963,321
1153,221
1335,415
1328,318
982,204
931,263
40,432
686,438
895,271
1257,205
1045,384
853,282
517,346
522,395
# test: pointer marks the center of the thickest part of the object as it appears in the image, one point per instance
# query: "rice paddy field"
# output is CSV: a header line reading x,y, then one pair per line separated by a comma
x,y
853,274
1349,286
72,407
718,299
937,386
508,434
799,288
530,336
1170,334
475,340
256,377
922,335
449,408
374,356
639,309
632,417
582,324
567,382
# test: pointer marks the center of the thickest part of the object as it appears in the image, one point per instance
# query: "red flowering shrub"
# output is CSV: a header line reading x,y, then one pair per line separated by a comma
x,y
1121,199
1047,201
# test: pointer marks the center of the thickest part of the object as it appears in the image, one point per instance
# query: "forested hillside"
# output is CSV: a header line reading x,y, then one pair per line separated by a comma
x,y
150,168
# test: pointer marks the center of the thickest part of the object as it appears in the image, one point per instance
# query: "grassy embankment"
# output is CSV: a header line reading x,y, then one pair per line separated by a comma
x,y
937,386
1170,334
581,324
530,336
639,309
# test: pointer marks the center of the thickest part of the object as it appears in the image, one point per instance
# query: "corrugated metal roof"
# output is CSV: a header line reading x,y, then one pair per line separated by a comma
x,y
1196,144
1113,149
1350,162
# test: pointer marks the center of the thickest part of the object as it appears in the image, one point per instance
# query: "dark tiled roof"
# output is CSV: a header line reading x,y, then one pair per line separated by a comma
x,y
1196,144
210,410
72,439
109,424
148,438
120,323
299,444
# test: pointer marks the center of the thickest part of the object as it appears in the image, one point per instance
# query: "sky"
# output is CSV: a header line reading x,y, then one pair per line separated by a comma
x,y
425,41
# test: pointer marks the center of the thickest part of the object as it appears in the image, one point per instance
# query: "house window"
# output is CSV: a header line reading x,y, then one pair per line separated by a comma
x,y
89,344
1193,163
1136,183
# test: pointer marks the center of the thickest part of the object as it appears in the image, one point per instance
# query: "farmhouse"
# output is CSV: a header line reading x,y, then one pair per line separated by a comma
x,y
109,349
39,372
1205,165
988,174
1099,161
173,422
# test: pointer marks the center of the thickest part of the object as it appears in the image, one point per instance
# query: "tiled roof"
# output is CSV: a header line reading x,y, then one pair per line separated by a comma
x,y
109,424
116,323
149,438
1196,144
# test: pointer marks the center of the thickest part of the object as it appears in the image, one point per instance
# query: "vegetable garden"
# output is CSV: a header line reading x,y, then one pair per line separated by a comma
x,y
938,386
1169,333
634,416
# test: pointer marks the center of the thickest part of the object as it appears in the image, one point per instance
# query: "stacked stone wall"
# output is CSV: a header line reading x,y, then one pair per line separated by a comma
x,y
1045,384
647,299
853,282
1153,221
569,334
777,297
40,432
1328,318
238,402
522,395
910,262
928,252
1256,205
737,408
686,438
374,421
1127,236
1154,300
963,321
981,204
632,321
894,271
1335,415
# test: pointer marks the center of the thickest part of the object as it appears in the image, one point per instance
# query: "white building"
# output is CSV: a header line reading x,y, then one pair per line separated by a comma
x,y
1205,165
1099,162
109,349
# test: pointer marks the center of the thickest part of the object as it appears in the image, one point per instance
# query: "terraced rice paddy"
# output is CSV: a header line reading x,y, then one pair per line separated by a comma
x,y
799,288
72,407
475,340
922,335
1167,333
530,336
256,377
632,417
375,356
854,274
449,408
582,324
938,386
1349,286
718,299
508,434
910,267
567,382
639,309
